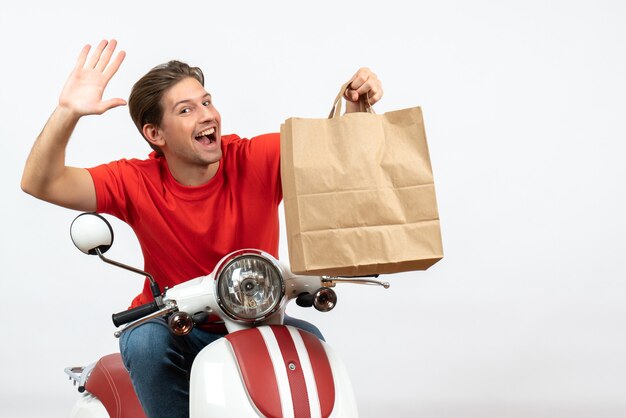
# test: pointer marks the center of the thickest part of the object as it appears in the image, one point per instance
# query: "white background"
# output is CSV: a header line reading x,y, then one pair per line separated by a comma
x,y
525,109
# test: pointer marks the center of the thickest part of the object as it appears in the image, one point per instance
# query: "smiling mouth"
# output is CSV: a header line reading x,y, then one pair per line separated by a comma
x,y
206,137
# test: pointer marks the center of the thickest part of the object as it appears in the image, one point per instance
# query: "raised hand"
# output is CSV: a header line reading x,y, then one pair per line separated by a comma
x,y
83,90
364,84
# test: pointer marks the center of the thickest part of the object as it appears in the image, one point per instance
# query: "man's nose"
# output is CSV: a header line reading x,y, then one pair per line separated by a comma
x,y
208,113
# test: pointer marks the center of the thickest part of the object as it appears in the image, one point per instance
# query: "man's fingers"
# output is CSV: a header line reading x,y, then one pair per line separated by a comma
x,y
95,57
351,95
106,55
372,89
376,96
111,103
115,65
364,88
82,57
363,82
361,77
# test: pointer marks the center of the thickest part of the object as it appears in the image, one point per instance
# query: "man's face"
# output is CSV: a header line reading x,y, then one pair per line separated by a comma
x,y
190,125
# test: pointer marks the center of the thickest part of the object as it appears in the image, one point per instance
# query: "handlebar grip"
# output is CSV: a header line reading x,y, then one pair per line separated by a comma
x,y
133,314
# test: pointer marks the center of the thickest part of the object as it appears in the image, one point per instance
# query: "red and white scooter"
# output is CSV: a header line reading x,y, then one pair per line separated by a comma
x,y
261,368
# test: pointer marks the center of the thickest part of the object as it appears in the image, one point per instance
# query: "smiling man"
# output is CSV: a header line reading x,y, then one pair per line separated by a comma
x,y
198,197
185,126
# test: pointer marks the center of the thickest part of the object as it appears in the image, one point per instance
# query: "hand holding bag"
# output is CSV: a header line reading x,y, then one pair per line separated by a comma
x,y
358,193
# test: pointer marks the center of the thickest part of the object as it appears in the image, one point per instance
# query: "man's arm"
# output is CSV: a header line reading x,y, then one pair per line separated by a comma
x,y
45,174
364,85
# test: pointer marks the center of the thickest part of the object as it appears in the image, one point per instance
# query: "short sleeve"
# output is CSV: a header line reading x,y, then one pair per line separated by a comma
x,y
115,184
265,159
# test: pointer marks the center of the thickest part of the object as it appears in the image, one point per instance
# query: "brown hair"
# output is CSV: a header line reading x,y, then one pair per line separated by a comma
x,y
144,103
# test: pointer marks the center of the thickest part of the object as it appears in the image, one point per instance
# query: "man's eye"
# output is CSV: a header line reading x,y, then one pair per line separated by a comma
x,y
206,103
185,110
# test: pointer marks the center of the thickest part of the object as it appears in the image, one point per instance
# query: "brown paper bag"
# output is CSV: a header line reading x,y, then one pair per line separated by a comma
x,y
358,193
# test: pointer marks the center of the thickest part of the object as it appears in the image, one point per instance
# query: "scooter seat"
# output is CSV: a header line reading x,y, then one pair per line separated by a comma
x,y
110,382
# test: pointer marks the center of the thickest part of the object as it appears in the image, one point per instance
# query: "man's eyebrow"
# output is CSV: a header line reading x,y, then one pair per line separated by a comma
x,y
189,100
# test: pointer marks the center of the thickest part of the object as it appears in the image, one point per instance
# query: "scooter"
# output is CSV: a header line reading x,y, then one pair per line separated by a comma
x,y
261,368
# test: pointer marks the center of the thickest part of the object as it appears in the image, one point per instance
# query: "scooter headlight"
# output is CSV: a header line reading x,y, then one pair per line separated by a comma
x,y
249,287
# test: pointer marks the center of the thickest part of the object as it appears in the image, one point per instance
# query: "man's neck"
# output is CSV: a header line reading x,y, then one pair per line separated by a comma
x,y
192,175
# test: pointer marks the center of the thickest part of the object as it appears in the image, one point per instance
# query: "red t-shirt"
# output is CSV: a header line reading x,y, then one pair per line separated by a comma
x,y
184,231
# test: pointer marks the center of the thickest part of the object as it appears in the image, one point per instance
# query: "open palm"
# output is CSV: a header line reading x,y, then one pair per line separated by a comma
x,y
83,90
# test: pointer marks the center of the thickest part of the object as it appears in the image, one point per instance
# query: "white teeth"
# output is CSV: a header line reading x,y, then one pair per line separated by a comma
x,y
207,132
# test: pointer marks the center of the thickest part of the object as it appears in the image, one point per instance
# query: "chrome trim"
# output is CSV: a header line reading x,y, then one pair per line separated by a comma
x,y
124,266
80,375
174,323
330,302
233,257
239,253
328,281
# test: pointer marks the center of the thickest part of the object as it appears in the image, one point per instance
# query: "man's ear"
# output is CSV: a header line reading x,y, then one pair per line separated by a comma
x,y
153,134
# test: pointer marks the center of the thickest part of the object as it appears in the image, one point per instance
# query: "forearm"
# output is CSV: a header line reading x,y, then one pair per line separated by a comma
x,y
46,162
45,175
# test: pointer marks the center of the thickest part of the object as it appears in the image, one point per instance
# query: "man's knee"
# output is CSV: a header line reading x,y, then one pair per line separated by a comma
x,y
146,343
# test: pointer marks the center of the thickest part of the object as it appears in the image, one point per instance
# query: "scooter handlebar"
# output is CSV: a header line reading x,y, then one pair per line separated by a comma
x,y
135,313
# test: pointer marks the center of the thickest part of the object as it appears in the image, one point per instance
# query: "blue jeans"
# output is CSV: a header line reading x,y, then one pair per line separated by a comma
x,y
160,364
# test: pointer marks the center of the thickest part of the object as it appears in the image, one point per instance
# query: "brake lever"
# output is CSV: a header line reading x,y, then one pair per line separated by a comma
x,y
329,281
169,308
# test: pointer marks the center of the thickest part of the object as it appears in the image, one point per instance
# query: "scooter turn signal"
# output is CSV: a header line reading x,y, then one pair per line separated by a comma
x,y
180,323
325,299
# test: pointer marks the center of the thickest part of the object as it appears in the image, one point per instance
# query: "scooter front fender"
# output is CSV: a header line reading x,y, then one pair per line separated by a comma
x,y
270,371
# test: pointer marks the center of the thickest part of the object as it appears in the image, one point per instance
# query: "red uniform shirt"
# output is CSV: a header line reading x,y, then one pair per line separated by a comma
x,y
184,231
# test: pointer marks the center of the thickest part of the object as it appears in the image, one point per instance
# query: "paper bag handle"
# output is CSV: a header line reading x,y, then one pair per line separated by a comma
x,y
364,103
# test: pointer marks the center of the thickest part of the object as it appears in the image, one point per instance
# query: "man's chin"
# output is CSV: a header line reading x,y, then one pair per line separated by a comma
x,y
215,157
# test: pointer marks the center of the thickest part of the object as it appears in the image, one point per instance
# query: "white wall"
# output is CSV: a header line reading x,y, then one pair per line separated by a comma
x,y
524,104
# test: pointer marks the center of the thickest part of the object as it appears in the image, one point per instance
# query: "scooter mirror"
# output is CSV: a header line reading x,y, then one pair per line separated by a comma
x,y
90,231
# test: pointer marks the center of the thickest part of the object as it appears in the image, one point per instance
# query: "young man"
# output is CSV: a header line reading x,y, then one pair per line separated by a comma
x,y
198,197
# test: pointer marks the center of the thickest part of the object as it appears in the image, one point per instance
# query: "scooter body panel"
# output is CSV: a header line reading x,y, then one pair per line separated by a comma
x,y
216,388
345,402
289,382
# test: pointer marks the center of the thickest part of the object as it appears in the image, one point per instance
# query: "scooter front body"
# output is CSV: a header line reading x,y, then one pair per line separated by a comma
x,y
274,371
